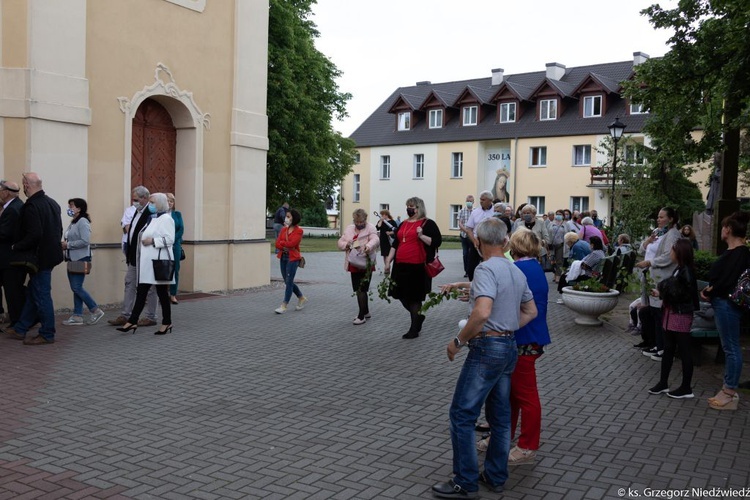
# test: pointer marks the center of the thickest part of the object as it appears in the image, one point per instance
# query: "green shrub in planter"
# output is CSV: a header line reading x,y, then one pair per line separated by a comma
x,y
703,262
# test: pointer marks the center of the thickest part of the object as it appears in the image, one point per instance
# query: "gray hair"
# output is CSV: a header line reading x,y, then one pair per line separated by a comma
x,y
529,208
141,192
419,205
492,232
160,202
487,194
499,205
587,221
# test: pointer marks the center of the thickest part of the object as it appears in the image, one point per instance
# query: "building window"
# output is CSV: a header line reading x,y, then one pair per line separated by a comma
x,y
538,202
454,216
419,166
356,157
538,157
385,206
580,203
404,120
633,155
470,115
507,112
592,106
385,167
457,170
436,118
581,156
548,109
356,188
637,109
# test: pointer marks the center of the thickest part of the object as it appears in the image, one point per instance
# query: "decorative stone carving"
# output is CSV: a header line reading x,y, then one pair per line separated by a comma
x,y
166,87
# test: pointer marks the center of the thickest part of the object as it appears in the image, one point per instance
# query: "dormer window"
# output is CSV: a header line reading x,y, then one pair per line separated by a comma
x,y
404,120
508,112
592,106
436,118
548,109
637,109
470,115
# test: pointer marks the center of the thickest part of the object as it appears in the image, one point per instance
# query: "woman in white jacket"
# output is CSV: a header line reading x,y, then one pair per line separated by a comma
x,y
360,241
156,239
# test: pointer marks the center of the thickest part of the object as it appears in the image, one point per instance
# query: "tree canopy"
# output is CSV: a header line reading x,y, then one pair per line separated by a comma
x,y
307,159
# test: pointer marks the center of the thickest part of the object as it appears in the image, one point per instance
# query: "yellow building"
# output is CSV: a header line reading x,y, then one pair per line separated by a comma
x,y
100,96
528,138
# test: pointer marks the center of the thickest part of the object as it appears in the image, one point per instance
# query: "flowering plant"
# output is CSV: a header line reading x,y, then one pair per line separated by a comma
x,y
591,285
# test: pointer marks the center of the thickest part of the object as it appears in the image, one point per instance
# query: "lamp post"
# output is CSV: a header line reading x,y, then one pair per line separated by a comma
x,y
615,130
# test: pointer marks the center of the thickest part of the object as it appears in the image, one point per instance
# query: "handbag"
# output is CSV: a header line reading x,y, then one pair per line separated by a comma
x,y
302,263
741,293
358,259
163,269
79,267
182,253
435,267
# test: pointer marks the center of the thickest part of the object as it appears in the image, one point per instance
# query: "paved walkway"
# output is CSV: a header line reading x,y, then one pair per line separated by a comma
x,y
239,402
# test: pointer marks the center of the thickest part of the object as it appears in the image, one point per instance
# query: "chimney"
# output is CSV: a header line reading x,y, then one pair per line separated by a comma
x,y
424,83
497,76
639,58
555,71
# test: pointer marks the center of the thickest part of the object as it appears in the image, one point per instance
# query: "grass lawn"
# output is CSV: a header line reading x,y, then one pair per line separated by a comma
x,y
329,245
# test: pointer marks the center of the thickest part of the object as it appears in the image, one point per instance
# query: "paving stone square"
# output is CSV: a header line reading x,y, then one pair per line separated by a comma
x,y
239,402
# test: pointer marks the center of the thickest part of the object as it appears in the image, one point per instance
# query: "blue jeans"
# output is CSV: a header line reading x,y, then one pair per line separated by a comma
x,y
79,294
38,306
728,317
288,271
484,379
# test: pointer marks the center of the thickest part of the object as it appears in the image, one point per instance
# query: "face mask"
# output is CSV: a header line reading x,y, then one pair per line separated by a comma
x,y
137,205
567,217
469,204
558,217
411,211
152,208
71,212
360,226
528,217
287,222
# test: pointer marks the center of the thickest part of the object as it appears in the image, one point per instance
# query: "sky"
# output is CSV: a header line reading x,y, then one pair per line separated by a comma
x,y
381,45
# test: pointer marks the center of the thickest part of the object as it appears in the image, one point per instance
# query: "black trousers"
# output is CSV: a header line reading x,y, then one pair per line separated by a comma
x,y
674,341
473,261
13,279
162,291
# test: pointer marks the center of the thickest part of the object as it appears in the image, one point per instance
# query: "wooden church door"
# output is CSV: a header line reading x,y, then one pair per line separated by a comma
x,y
154,148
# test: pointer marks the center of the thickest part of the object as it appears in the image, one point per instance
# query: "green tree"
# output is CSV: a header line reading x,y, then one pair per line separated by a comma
x,y
307,159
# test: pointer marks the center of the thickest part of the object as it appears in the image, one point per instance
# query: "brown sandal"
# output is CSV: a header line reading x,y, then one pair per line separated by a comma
x,y
724,401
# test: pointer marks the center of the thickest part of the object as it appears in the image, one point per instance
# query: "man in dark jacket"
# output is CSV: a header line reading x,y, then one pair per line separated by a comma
x,y
12,278
39,239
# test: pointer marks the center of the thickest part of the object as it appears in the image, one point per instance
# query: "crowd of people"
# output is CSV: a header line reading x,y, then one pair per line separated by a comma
x,y
33,242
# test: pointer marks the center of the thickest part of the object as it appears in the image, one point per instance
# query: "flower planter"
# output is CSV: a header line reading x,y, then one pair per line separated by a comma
x,y
589,305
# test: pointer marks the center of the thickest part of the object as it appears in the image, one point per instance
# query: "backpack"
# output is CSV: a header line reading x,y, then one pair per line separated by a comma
x,y
741,293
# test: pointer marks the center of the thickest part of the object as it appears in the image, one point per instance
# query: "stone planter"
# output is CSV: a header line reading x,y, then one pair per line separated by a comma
x,y
588,305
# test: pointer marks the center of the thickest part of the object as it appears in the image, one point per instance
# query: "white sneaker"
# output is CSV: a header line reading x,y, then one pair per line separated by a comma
x,y
301,303
95,317
281,309
560,301
73,321
358,321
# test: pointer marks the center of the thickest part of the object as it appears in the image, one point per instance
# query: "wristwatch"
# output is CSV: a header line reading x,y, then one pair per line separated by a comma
x,y
457,342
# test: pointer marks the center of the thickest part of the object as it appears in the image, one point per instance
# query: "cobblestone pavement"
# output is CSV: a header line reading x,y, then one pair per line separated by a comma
x,y
239,402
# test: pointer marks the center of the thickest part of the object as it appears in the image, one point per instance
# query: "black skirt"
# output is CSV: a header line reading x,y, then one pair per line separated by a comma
x,y
412,282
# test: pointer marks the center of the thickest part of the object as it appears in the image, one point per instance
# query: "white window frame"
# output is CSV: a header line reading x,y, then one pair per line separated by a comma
x,y
357,157
357,186
418,172
583,202
637,109
404,121
542,156
637,158
586,149
453,216
385,167
548,109
590,102
436,118
538,202
457,166
470,115
385,206
507,112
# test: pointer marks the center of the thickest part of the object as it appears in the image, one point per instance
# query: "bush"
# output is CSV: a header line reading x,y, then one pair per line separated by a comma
x,y
703,262
314,216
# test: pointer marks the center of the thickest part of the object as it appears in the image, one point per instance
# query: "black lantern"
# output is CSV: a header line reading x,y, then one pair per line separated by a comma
x,y
616,128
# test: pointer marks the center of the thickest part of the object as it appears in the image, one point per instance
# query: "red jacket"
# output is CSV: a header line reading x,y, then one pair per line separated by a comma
x,y
289,240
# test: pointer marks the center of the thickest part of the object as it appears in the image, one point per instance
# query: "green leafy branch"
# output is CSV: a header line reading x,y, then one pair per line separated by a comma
x,y
435,298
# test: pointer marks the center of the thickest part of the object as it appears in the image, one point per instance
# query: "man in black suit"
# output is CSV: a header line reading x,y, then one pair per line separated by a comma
x,y
38,242
12,278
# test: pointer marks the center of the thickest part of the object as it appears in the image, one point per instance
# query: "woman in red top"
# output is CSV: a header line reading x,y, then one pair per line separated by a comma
x,y
289,256
416,243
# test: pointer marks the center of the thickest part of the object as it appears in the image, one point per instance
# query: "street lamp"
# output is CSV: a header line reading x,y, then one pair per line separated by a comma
x,y
615,130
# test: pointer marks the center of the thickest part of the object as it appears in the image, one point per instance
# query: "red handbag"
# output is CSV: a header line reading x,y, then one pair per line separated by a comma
x,y
435,267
